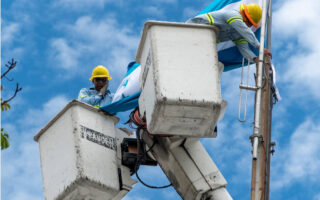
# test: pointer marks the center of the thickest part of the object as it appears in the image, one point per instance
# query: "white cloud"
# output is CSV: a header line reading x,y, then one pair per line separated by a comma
x,y
299,161
21,162
22,165
22,195
296,28
80,4
230,91
316,197
89,42
22,12
17,29
10,32
303,74
189,12
165,1
38,117
66,56
153,11
294,17
231,133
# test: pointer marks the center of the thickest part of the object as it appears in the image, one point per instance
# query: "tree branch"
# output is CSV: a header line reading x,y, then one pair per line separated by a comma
x,y
18,89
8,78
11,65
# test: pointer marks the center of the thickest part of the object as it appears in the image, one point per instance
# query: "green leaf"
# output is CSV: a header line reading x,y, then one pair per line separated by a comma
x,y
5,107
4,139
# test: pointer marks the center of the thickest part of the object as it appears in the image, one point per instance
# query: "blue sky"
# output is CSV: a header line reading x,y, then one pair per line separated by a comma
x,y
58,43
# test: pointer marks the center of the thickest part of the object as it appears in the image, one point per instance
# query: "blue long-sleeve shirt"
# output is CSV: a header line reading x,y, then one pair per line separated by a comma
x,y
231,27
91,96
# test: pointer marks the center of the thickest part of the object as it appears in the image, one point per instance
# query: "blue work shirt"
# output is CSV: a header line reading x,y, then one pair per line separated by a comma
x,y
91,96
231,27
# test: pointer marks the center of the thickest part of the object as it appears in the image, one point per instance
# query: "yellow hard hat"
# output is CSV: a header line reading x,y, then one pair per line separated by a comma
x,y
100,72
253,12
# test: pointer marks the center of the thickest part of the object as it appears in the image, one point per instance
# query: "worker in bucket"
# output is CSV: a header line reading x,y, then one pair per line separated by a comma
x,y
99,95
236,26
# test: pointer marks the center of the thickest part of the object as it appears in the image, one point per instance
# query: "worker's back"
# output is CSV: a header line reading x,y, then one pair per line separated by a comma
x,y
222,20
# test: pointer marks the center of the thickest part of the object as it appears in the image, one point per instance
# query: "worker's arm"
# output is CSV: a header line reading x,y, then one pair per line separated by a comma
x,y
243,47
237,23
266,52
86,97
244,31
246,52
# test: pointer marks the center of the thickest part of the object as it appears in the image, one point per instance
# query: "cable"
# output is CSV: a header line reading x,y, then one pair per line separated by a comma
x,y
150,186
140,155
154,142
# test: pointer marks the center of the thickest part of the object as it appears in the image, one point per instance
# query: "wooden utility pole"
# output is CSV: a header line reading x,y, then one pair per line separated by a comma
x,y
261,138
260,181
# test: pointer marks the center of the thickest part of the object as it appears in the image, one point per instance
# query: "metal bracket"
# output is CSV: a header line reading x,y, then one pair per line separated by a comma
x,y
246,87
129,155
255,139
260,137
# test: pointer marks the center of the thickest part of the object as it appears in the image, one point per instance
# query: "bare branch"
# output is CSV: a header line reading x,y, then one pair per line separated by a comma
x,y
18,89
8,78
11,65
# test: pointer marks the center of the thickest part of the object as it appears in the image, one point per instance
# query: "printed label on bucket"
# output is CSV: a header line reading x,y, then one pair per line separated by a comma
x,y
98,138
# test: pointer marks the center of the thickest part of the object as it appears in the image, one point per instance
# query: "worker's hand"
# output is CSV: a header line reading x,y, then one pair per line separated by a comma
x,y
268,53
103,90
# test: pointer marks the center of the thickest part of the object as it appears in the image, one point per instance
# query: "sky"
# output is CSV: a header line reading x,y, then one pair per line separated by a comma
x,y
58,43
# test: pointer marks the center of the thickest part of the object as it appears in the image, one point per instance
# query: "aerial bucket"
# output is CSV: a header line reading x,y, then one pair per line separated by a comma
x,y
180,79
78,153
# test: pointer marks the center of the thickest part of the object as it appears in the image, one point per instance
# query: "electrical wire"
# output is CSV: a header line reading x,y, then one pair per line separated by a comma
x,y
141,125
140,155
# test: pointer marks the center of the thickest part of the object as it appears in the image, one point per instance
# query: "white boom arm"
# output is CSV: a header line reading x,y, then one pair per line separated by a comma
x,y
188,167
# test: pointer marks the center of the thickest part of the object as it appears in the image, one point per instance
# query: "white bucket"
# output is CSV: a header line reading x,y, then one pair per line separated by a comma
x,y
78,151
180,79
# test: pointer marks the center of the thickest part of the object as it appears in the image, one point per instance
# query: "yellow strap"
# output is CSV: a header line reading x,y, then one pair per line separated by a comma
x,y
232,19
210,18
97,106
240,41
81,96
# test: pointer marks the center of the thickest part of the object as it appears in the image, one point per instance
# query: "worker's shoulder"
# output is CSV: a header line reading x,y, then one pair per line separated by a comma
x,y
84,90
228,13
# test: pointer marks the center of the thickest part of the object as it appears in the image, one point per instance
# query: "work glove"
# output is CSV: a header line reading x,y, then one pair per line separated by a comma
x,y
103,90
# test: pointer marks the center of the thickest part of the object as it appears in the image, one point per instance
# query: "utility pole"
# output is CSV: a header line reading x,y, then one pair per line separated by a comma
x,y
260,181
261,138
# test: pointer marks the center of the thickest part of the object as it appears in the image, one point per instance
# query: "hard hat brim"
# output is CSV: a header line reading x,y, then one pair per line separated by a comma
x,y
100,76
